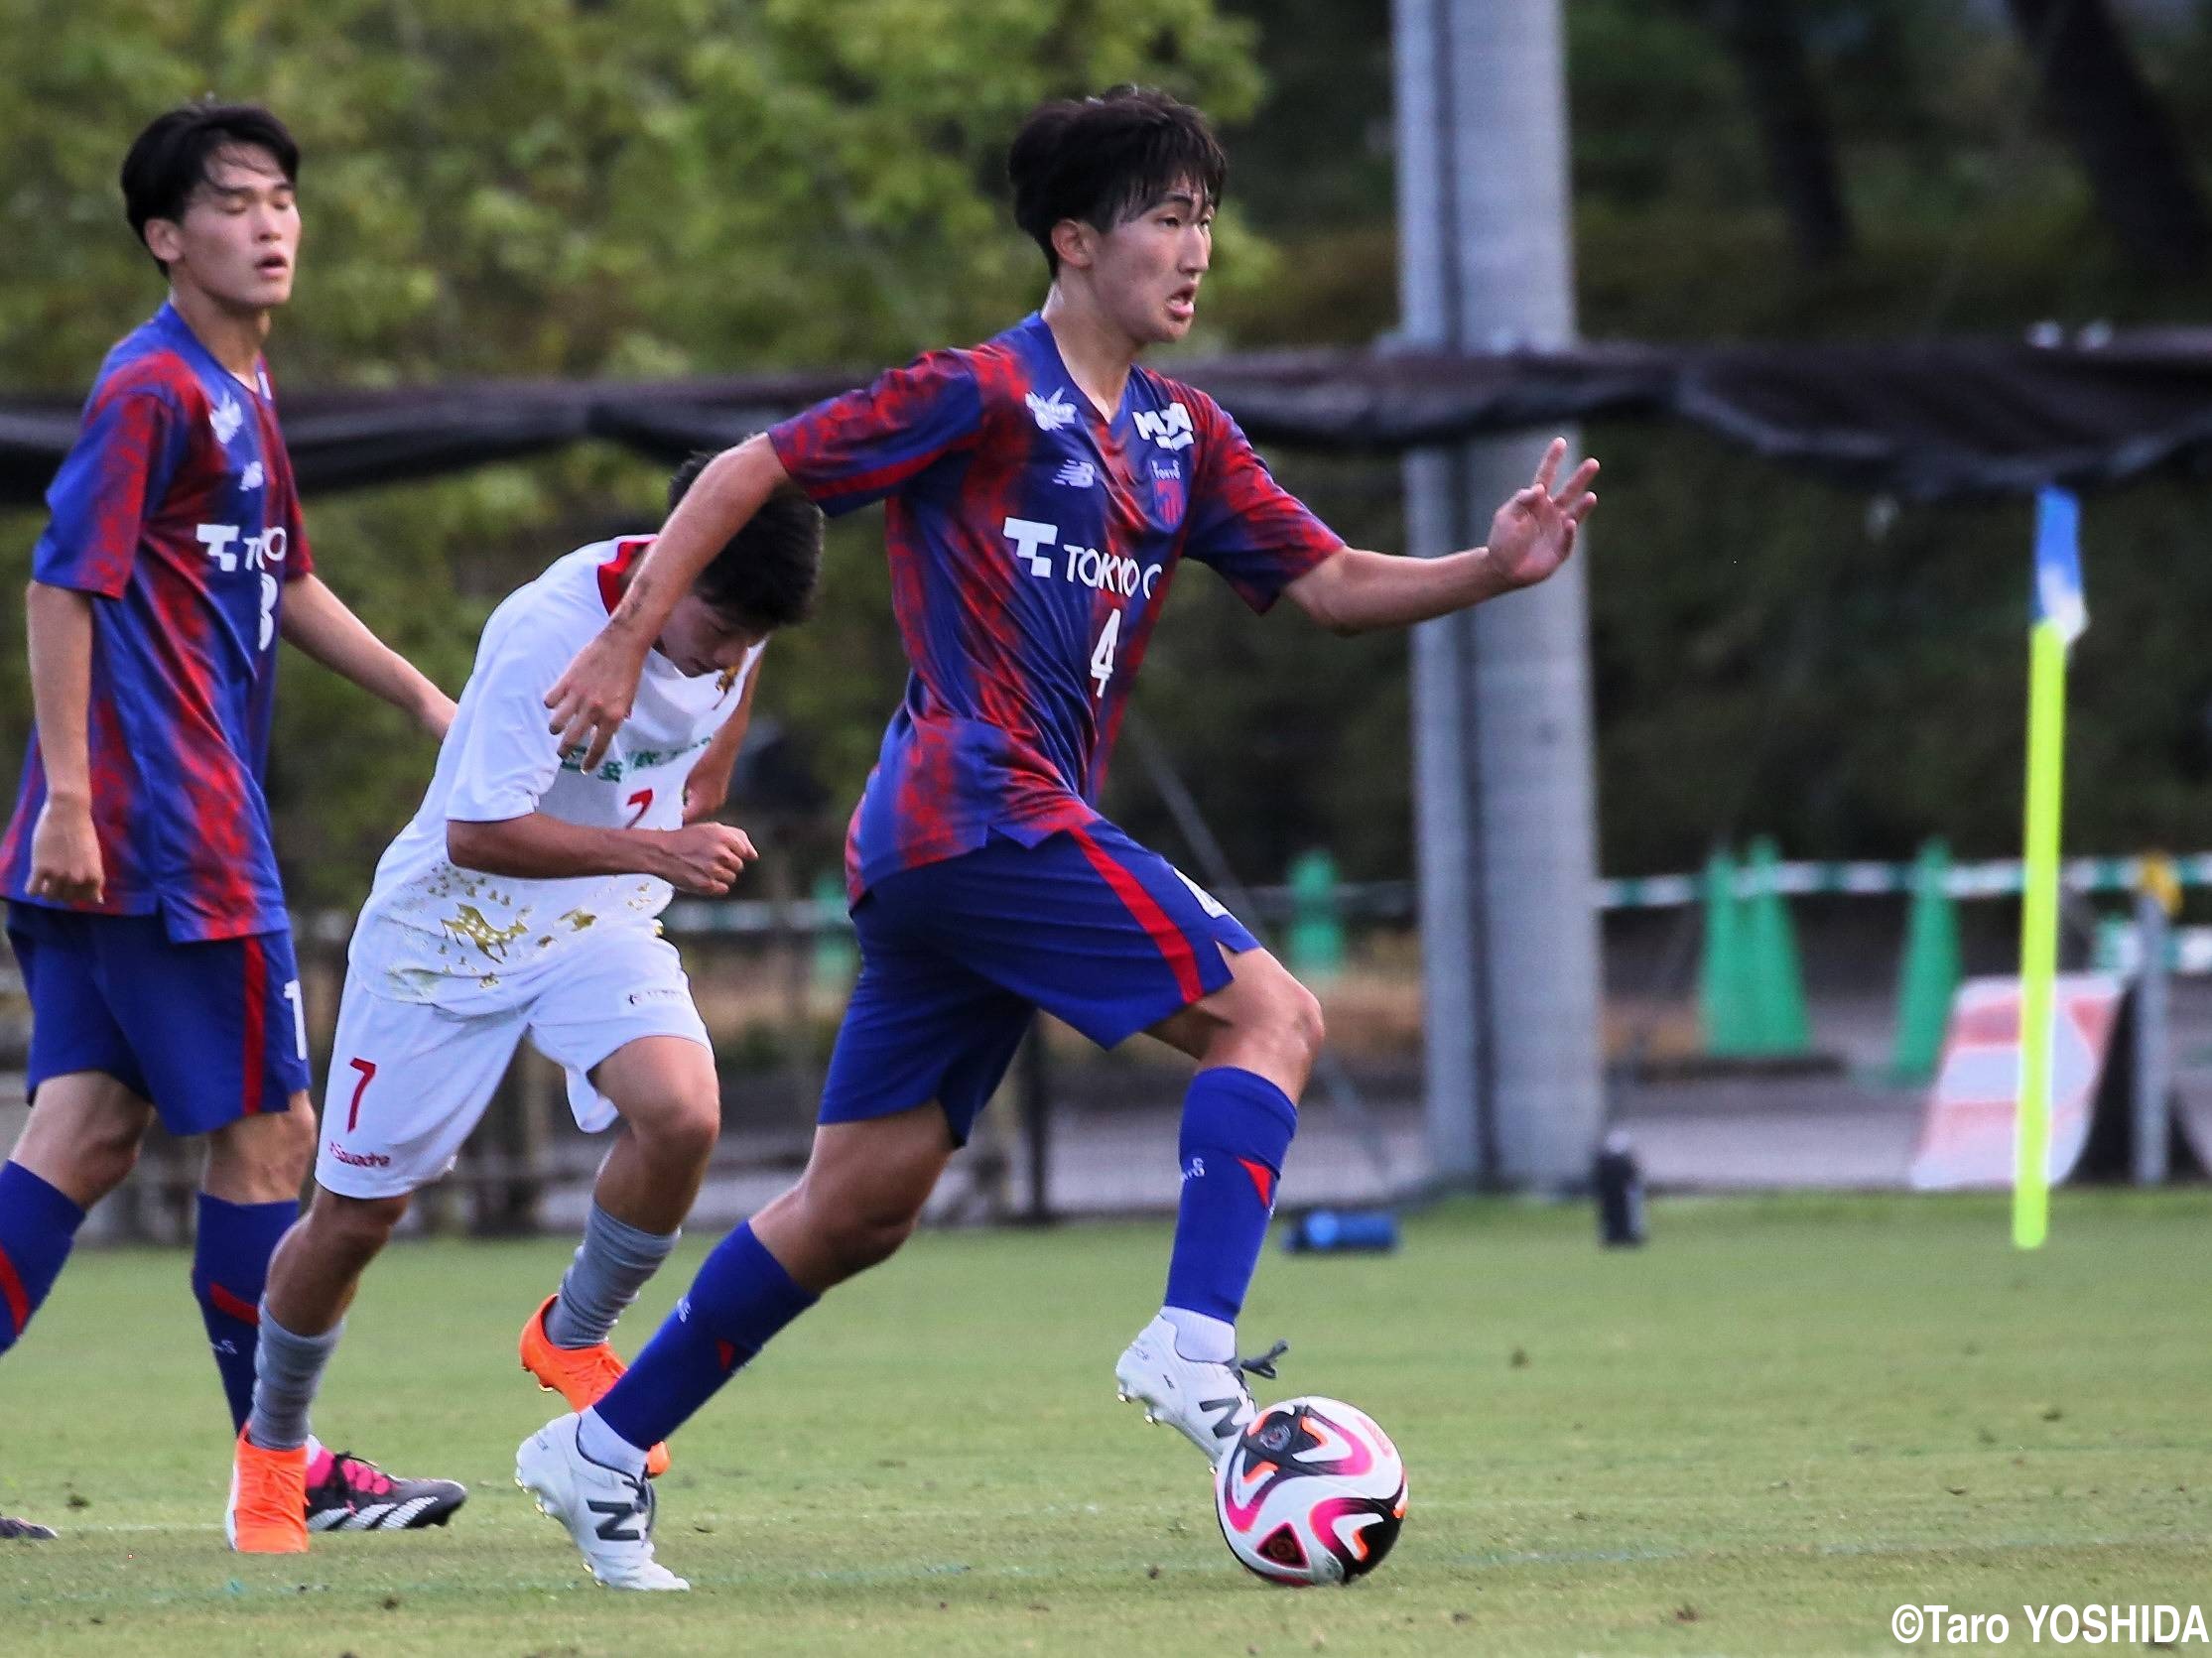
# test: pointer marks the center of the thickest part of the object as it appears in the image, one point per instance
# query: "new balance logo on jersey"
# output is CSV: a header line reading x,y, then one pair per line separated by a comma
x,y
227,418
1170,430
1085,566
1050,413
614,1521
252,478
1077,474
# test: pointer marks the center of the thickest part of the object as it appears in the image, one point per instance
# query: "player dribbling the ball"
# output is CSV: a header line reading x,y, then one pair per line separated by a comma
x,y
1043,490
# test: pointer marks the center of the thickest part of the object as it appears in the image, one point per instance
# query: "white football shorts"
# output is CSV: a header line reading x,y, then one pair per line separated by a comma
x,y
410,1081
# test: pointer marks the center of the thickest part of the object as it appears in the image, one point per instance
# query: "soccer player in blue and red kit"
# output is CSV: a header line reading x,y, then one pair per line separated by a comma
x,y
142,889
1042,492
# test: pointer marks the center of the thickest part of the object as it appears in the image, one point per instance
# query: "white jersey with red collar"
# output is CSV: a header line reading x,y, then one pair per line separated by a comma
x,y
435,931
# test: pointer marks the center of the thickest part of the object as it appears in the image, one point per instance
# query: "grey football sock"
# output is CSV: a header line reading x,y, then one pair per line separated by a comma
x,y
610,1267
287,1370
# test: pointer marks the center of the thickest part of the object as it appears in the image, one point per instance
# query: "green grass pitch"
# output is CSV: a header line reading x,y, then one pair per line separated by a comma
x,y
1757,1436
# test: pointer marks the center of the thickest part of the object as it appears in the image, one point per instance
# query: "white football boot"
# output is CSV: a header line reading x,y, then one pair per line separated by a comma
x,y
1210,1404
609,1513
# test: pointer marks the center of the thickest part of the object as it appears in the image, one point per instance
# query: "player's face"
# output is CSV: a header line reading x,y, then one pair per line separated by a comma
x,y
1147,269
700,639
238,238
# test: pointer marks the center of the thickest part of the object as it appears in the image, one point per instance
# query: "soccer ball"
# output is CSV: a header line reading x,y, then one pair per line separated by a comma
x,y
1313,1492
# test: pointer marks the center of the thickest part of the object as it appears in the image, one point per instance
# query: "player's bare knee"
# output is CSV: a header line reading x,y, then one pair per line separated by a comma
x,y
290,1151
101,1164
681,1130
1308,1026
862,1241
856,1227
264,1158
358,1227
1282,1032
83,1136
106,1155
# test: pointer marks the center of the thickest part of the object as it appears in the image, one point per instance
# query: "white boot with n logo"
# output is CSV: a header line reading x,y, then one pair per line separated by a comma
x,y
1210,1404
609,1513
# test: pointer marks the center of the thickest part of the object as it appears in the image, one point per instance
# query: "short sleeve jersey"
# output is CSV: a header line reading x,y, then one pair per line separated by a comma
x,y
175,513
1031,544
464,939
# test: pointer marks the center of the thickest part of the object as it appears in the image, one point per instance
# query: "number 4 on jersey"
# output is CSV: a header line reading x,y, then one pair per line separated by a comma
x,y
1101,659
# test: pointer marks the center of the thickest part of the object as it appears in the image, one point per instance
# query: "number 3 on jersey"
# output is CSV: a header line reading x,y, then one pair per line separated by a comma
x,y
1101,659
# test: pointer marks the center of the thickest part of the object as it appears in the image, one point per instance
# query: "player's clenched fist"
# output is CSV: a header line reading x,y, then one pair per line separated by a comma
x,y
706,858
66,854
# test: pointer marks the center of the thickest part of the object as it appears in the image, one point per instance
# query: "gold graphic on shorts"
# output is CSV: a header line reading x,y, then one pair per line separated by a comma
x,y
578,920
470,927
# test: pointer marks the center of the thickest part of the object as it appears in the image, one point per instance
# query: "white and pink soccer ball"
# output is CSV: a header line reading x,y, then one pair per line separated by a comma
x,y
1313,1492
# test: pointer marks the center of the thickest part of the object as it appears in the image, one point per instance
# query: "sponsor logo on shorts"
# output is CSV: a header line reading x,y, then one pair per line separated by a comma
x,y
360,1159
660,993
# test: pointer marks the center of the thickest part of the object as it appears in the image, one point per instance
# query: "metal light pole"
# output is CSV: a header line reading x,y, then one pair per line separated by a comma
x,y
1501,724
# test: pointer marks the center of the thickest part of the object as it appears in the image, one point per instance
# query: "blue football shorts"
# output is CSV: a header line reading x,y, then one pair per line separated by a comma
x,y
957,957
209,1031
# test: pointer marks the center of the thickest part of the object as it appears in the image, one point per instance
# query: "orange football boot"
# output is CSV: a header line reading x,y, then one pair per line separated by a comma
x,y
581,1375
268,1500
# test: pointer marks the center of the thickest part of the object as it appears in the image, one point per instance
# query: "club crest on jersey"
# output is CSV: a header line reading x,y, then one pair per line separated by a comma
x,y
1077,474
1050,413
227,418
1171,429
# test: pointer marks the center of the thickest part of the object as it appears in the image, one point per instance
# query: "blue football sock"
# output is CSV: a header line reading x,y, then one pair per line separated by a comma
x,y
38,1223
229,1267
1236,1127
741,1297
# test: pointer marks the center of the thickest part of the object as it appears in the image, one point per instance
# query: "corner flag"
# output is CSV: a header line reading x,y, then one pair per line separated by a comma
x,y
2060,616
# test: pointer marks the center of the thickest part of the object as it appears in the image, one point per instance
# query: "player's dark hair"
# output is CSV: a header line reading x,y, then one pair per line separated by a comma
x,y
169,159
1104,160
765,574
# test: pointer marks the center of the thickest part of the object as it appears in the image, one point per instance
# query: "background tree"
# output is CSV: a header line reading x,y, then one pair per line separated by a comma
x,y
2137,166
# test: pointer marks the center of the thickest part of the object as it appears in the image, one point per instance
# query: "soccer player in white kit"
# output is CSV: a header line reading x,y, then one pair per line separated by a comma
x,y
521,900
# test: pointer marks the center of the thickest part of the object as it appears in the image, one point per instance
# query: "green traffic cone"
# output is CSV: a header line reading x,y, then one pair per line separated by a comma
x,y
1929,975
1724,1014
1316,927
1776,978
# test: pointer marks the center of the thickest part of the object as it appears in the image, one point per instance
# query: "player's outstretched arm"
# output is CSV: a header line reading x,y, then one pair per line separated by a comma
x,y
1530,536
321,623
700,858
64,847
594,697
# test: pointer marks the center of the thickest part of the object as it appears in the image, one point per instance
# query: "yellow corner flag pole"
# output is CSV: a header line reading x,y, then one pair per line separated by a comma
x,y
2061,617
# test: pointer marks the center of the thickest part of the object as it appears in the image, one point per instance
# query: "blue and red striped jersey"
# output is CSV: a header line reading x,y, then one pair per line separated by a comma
x,y
1031,543
175,513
